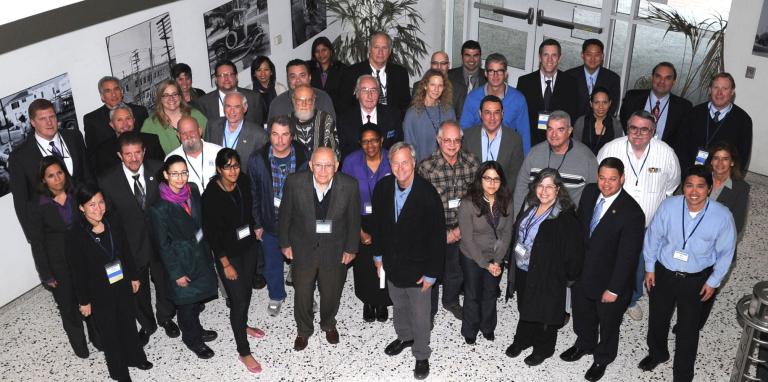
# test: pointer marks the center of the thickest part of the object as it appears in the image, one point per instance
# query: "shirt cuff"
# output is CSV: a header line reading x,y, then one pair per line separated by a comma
x,y
612,294
377,259
713,282
650,267
430,280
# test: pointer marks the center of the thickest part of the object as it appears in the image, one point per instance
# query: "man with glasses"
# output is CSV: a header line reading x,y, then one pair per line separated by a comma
x,y
312,127
233,131
319,229
298,73
439,62
468,76
212,104
96,123
450,170
513,102
652,173
200,155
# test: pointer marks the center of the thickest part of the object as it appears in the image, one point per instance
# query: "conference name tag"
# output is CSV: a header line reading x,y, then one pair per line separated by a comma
x,y
199,235
323,226
543,118
114,271
368,208
243,232
454,203
701,157
520,250
680,255
276,201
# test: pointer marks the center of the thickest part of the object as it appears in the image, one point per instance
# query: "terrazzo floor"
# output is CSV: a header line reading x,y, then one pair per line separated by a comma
x,y
33,346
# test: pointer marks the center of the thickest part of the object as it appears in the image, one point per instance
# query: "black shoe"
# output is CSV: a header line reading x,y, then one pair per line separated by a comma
x,y
228,301
382,313
470,340
171,330
648,363
146,365
82,352
369,315
573,354
208,335
514,350
201,307
144,335
489,336
455,310
397,346
595,372
202,351
534,359
422,369
259,282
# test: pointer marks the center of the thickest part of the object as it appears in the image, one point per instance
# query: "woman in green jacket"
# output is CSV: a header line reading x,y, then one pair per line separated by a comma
x,y
169,108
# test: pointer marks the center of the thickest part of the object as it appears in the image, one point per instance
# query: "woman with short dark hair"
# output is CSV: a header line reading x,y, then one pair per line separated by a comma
x,y
598,127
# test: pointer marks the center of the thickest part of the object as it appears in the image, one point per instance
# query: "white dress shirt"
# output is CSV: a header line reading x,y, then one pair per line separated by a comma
x,y
44,146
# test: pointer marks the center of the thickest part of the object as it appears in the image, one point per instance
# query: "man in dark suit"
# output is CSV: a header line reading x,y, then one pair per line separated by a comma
x,y
319,229
24,161
130,188
104,156
468,76
409,236
394,84
667,108
233,131
547,89
369,110
613,225
593,74
212,104
96,123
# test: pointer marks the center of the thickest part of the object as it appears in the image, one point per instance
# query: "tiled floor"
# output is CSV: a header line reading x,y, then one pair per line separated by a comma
x,y
33,346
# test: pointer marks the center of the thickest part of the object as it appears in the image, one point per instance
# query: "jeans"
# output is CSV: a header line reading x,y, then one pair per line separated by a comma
x,y
273,266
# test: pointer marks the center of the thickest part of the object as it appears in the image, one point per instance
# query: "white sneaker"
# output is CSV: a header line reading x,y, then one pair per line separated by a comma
x,y
635,312
273,308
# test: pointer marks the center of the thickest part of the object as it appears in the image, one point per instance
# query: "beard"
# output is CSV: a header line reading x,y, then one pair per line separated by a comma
x,y
304,116
192,145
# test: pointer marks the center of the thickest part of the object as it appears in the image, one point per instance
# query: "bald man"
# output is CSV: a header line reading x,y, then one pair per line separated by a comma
x,y
439,61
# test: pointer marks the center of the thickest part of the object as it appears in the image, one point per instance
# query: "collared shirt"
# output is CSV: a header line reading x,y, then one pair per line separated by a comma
x,y
451,182
607,203
320,192
221,103
475,80
44,146
490,149
129,177
715,193
382,77
544,82
401,195
723,112
663,111
231,137
591,78
374,116
202,167
710,243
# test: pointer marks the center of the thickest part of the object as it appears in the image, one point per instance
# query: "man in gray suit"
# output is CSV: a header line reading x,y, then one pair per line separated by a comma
x,y
233,131
212,104
491,141
319,229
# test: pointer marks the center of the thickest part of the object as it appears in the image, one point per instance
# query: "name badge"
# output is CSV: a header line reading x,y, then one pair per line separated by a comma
x,y
114,271
520,250
701,157
680,255
454,203
243,232
368,208
323,226
391,134
199,235
382,278
276,201
543,118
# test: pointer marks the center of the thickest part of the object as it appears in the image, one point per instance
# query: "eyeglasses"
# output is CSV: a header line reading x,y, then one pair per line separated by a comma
x,y
374,141
369,91
439,62
323,166
639,130
491,180
451,141
546,187
224,75
177,175
228,167
171,95
304,101
498,71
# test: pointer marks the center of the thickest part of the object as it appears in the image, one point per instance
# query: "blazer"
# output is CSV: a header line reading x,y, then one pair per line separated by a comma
x,y
24,166
510,151
737,201
96,124
605,78
564,97
456,76
637,99
252,137
48,237
349,124
104,156
414,245
612,252
118,192
297,219
333,81
398,86
209,106
479,241
735,128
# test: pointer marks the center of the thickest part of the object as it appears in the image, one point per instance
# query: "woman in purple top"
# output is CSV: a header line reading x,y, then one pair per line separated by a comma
x,y
368,165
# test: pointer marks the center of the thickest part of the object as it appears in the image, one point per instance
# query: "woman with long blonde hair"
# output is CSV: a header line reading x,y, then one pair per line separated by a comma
x,y
431,105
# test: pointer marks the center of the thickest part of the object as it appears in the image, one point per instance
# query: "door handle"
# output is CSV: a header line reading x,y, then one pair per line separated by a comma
x,y
541,20
527,16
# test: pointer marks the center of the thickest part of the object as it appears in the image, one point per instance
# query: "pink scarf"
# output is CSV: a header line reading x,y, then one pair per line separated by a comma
x,y
182,198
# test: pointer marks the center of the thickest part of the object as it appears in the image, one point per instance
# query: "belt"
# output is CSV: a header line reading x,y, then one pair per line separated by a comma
x,y
685,275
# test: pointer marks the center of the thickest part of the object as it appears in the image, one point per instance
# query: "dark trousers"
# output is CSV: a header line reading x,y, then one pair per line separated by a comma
x,y
189,323
239,292
480,291
451,280
71,319
143,298
597,324
116,322
541,336
672,291
367,281
330,280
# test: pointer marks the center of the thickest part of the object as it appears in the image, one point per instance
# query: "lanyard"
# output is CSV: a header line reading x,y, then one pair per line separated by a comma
x,y
237,138
111,241
561,162
661,112
533,220
439,117
202,166
488,153
637,177
64,150
682,222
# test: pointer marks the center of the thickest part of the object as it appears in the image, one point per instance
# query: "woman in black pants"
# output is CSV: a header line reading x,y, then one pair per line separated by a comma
x,y
228,227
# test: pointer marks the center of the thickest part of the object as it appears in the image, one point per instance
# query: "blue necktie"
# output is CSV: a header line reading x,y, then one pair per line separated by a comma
x,y
55,151
596,216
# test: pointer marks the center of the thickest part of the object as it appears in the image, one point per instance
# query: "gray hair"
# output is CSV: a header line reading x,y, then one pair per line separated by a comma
x,y
497,58
402,146
449,122
360,79
324,148
377,34
108,79
120,106
559,115
242,96
644,115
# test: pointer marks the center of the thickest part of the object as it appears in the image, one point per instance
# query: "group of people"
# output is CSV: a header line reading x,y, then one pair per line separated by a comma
x,y
451,183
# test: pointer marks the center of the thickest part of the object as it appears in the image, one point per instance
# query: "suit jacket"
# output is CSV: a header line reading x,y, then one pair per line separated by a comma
x,y
678,107
414,246
564,97
297,219
104,156
252,137
24,164
48,237
510,151
456,76
118,192
209,106
398,86
737,201
735,128
349,124
605,78
96,124
612,252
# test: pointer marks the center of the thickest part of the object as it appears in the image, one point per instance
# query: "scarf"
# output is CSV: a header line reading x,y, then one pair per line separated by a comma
x,y
182,198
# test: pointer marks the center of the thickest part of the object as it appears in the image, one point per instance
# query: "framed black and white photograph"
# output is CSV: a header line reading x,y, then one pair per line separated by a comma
x,y
237,31
14,120
760,48
307,19
141,57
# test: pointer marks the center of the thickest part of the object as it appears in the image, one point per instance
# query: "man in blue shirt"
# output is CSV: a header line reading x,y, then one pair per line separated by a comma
x,y
688,249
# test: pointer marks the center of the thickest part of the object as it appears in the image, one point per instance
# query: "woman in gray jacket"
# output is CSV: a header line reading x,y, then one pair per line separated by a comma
x,y
486,225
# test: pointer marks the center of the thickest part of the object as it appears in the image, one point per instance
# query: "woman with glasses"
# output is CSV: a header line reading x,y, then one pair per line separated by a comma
x,y
264,80
547,256
169,108
486,222
597,128
431,105
368,165
228,227
177,223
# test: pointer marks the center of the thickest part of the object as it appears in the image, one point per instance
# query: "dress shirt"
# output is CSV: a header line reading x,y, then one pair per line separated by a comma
x,y
382,77
723,112
202,167
231,137
221,103
491,147
663,111
373,114
474,79
711,243
544,82
319,192
44,146
129,177
607,203
591,79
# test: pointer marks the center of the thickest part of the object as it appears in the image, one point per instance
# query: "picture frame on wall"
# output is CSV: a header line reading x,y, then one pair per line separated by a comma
x,y
308,18
760,47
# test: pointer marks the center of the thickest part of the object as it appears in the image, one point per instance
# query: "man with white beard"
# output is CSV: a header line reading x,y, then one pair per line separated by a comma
x,y
312,127
200,155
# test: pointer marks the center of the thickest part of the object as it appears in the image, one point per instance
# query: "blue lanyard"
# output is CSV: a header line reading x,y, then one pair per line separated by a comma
x,y
682,222
533,220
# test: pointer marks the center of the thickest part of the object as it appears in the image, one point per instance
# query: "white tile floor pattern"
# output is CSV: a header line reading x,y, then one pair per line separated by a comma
x,y
33,346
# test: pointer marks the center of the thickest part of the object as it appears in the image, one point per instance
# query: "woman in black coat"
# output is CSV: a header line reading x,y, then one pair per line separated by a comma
x,y
105,281
547,256
228,227
326,70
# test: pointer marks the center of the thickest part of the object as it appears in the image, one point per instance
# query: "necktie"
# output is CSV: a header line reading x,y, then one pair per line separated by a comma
x,y
547,95
138,191
55,151
591,84
717,118
656,111
369,118
382,89
596,216
470,85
